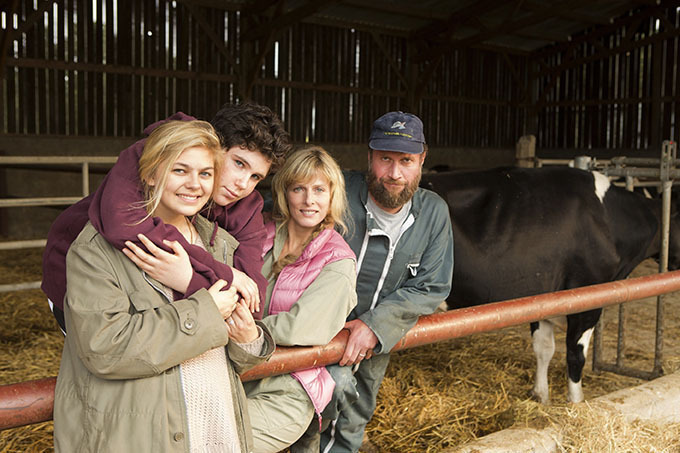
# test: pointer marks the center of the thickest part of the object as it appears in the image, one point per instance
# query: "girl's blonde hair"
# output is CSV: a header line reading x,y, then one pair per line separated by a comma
x,y
164,146
304,165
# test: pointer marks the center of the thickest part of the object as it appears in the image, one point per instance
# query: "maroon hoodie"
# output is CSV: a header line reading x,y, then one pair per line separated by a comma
x,y
109,211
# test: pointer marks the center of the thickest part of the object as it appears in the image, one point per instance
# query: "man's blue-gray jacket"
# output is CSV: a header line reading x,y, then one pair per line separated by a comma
x,y
397,283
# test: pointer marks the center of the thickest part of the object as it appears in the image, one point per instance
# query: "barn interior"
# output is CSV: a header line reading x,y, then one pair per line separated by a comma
x,y
84,78
81,79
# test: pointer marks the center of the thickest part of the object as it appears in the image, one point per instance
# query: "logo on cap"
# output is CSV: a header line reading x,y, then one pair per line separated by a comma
x,y
399,125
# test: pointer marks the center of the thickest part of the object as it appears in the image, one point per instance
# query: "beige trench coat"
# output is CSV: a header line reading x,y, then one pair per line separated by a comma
x,y
119,385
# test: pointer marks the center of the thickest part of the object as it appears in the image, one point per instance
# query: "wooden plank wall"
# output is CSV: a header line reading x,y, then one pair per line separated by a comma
x,y
111,67
608,103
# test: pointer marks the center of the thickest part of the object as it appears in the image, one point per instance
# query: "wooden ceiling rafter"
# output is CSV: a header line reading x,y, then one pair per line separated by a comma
x,y
524,92
554,78
606,30
288,19
509,27
569,14
390,8
205,26
6,40
266,43
628,46
35,15
433,30
390,60
541,36
630,24
259,7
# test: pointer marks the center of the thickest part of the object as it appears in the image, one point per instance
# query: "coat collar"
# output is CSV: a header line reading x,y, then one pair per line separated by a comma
x,y
309,251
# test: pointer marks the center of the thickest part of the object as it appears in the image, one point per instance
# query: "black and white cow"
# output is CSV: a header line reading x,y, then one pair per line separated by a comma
x,y
521,232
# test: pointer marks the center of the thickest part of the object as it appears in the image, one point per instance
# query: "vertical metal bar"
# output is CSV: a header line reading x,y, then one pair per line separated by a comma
x,y
580,162
86,178
621,337
621,342
597,344
630,186
668,152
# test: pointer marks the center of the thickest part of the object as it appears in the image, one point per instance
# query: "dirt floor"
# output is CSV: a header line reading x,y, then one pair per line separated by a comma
x,y
433,398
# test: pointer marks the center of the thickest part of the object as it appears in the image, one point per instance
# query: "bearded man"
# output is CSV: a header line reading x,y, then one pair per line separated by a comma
x,y
403,241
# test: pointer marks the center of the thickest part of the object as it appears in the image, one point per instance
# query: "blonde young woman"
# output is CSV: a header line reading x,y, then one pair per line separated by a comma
x,y
311,272
142,371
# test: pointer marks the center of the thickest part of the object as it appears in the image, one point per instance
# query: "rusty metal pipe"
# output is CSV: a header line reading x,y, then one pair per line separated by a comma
x,y
27,402
31,402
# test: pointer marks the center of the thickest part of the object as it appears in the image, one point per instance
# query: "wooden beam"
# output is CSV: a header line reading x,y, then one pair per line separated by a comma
x,y
607,101
288,19
608,29
266,44
205,26
392,8
566,12
6,40
515,75
509,27
135,70
430,31
389,58
629,45
543,35
260,6
36,15
36,63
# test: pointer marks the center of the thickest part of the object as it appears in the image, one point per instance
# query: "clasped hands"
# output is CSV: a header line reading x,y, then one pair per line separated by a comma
x,y
175,271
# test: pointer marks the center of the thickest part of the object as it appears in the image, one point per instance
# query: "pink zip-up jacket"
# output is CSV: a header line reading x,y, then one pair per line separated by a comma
x,y
293,280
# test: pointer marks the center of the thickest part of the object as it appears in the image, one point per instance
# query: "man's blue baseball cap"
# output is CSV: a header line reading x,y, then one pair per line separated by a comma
x,y
398,131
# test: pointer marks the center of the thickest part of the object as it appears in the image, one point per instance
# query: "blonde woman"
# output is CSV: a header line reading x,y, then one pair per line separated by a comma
x,y
311,272
143,371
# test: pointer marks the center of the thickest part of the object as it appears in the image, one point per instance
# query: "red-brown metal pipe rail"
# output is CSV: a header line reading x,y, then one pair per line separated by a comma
x,y
31,402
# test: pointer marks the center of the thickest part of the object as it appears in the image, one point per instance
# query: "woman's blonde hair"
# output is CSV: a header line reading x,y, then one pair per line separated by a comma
x,y
304,165
164,146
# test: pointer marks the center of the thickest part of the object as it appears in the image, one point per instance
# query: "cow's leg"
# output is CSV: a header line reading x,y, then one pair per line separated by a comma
x,y
579,331
544,348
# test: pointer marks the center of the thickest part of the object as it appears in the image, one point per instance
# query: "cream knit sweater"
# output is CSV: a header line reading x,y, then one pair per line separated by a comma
x,y
208,398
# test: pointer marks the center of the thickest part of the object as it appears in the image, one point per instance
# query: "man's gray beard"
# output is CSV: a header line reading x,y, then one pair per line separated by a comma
x,y
384,197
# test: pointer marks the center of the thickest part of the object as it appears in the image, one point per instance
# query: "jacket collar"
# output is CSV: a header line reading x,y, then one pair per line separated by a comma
x,y
309,251
206,230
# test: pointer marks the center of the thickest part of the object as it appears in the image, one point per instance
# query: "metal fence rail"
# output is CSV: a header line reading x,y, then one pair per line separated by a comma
x,y
32,402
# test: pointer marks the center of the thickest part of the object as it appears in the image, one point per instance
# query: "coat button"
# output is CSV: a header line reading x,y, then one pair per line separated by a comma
x,y
189,323
178,437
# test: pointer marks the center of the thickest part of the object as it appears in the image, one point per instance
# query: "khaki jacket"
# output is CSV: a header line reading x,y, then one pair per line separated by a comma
x,y
119,385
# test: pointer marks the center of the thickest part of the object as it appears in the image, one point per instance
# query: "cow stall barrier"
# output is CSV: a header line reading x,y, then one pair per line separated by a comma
x,y
31,402
663,170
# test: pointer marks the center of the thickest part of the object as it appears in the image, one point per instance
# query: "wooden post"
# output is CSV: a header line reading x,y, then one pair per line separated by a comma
x,y
525,151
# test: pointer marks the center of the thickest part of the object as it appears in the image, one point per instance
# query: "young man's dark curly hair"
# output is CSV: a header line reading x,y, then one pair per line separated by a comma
x,y
255,127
